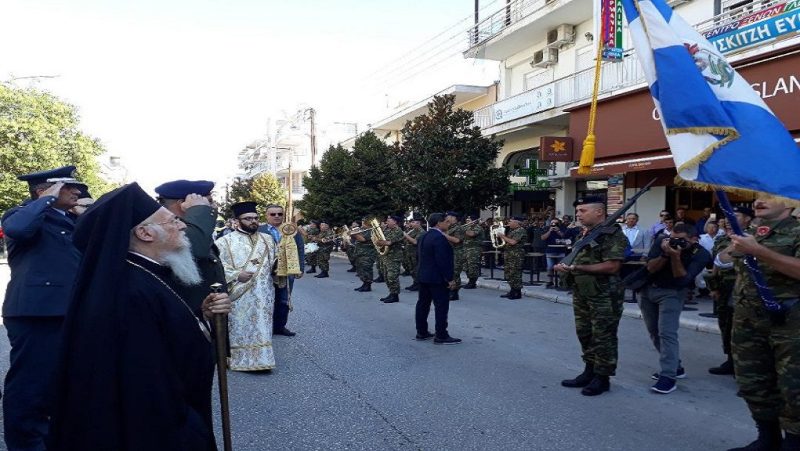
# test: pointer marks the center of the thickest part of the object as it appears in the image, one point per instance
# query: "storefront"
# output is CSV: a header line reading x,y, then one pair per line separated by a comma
x,y
531,193
631,148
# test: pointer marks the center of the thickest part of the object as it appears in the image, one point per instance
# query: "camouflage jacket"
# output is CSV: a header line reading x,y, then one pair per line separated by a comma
x,y
397,238
782,237
609,245
365,247
329,236
521,236
311,232
457,231
720,276
475,241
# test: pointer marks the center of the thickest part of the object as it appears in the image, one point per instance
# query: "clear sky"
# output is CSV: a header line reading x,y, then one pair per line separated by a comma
x,y
178,87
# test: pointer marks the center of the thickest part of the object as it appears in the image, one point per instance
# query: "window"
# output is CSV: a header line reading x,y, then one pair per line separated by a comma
x,y
538,78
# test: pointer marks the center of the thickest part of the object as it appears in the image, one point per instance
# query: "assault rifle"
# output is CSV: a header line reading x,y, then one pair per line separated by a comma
x,y
610,221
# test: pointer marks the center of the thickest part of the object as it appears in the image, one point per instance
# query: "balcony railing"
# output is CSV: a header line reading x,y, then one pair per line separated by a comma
x,y
510,14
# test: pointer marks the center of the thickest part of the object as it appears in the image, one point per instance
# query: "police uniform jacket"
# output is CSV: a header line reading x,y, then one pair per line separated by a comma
x,y
42,258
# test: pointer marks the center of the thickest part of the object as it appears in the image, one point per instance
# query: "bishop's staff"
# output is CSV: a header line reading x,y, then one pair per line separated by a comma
x,y
220,324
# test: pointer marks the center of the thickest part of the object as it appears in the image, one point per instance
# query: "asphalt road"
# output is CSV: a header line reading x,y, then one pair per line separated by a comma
x,y
354,378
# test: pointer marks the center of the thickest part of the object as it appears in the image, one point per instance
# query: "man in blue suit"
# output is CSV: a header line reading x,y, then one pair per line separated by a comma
x,y
281,314
435,277
43,265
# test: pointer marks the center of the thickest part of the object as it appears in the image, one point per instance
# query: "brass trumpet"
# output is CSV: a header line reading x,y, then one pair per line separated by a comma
x,y
377,235
494,234
463,226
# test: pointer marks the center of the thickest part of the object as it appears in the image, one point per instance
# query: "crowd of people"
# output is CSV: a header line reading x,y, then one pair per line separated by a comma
x,y
119,339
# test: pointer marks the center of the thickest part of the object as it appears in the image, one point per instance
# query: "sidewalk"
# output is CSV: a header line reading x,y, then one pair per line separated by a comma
x,y
689,319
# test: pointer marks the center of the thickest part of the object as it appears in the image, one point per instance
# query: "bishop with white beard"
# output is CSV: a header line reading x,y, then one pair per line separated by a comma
x,y
248,257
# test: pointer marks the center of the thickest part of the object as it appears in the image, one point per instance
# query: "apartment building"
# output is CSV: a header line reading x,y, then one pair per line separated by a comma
x,y
546,50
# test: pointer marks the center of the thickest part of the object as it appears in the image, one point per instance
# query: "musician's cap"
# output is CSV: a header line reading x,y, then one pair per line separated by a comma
x,y
241,208
519,218
397,219
589,200
745,211
323,221
179,189
66,173
417,217
453,213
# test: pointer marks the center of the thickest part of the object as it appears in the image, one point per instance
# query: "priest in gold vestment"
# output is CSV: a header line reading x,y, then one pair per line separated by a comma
x,y
248,257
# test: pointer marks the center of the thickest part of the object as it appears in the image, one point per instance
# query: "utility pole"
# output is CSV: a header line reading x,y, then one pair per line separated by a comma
x,y
313,138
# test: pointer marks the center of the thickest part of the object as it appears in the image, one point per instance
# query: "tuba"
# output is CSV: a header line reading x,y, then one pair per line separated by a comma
x,y
494,231
377,235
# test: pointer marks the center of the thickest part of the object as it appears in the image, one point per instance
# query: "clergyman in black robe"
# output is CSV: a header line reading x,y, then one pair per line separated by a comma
x,y
136,367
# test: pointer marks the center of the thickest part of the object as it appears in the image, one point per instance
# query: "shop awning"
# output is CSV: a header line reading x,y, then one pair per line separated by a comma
x,y
621,165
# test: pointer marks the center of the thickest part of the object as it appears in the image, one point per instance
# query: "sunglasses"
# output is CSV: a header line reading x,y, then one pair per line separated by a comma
x,y
276,214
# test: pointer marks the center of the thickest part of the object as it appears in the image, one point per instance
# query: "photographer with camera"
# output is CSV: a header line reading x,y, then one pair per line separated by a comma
x,y
672,263
558,238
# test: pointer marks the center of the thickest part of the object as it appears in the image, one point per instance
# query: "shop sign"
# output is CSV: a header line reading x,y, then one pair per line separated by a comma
x,y
756,28
555,148
541,185
525,104
612,30
615,196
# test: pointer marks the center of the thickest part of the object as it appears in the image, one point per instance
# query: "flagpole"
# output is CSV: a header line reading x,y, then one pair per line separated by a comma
x,y
776,310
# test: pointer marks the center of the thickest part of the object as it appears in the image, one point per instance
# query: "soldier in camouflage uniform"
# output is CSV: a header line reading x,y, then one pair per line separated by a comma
x,y
410,249
393,258
312,232
455,235
365,258
720,283
597,297
514,255
381,261
325,241
473,243
766,347
351,248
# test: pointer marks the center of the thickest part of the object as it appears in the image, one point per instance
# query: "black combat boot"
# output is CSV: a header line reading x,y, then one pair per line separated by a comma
x,y
352,269
392,298
364,288
516,294
582,379
380,279
471,285
322,275
385,298
725,369
454,295
312,270
791,442
597,386
359,288
769,438
507,295
414,287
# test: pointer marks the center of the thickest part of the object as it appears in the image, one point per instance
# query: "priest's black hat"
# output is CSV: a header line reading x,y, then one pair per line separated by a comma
x,y
241,208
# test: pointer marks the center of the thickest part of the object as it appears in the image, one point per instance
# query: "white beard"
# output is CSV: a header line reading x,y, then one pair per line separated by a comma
x,y
183,265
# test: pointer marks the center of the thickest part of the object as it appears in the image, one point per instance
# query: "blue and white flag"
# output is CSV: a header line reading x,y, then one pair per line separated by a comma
x,y
721,133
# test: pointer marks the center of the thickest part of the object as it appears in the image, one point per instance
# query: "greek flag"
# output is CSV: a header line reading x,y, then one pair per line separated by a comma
x,y
721,133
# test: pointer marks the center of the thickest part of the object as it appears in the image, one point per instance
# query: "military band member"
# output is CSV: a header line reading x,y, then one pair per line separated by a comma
x,y
351,248
311,235
514,255
365,257
473,242
393,258
381,260
456,235
598,296
766,347
412,236
326,241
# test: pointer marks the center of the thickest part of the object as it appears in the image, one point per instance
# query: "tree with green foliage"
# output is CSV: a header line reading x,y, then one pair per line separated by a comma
x,y
350,185
238,191
38,131
267,189
445,163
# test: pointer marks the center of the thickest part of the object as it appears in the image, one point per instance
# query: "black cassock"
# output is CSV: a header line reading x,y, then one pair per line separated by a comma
x,y
145,381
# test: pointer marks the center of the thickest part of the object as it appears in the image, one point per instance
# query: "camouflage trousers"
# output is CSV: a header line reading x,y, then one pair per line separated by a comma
x,y
766,358
513,269
382,265
324,258
724,311
364,263
392,263
472,262
458,265
311,259
411,265
597,303
351,255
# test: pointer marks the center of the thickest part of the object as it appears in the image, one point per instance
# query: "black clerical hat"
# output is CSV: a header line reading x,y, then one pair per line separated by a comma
x,y
179,189
241,208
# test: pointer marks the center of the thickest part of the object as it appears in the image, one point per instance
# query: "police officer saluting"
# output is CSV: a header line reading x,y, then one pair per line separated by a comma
x,y
766,348
191,201
44,264
597,297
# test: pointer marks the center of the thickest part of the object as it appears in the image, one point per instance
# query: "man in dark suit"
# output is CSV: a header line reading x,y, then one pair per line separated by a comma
x,y
43,264
435,277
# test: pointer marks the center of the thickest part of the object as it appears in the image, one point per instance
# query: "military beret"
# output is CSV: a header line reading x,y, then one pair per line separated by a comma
x,y
179,189
453,213
65,173
589,200
519,218
241,208
745,211
397,219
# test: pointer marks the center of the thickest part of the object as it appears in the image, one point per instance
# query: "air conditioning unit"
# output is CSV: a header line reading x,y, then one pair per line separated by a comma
x,y
545,57
561,35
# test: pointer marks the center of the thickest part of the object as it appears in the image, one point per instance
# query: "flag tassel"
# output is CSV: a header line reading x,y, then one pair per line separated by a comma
x,y
588,151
